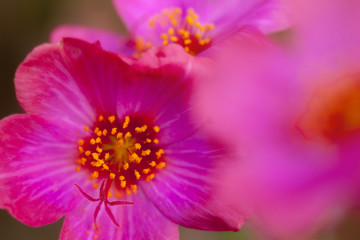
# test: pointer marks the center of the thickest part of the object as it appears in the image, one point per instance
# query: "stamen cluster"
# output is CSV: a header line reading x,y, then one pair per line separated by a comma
x,y
123,152
184,30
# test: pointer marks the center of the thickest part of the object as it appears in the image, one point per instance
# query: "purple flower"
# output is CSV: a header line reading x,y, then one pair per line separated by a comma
x,y
195,25
109,142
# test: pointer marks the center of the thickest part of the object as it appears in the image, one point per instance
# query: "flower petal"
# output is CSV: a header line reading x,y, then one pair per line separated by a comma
x,y
161,87
133,12
45,86
184,191
110,41
98,73
37,169
69,80
268,16
139,221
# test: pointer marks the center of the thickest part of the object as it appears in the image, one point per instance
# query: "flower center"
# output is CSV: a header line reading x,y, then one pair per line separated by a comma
x,y
334,112
123,152
171,25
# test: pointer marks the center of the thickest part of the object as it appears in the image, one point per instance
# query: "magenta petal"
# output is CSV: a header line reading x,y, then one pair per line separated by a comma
x,y
37,169
139,221
97,72
269,16
109,40
132,12
161,87
184,191
69,80
45,86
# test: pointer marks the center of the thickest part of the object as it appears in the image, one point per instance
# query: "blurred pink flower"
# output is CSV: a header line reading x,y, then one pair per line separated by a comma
x,y
196,25
295,115
97,124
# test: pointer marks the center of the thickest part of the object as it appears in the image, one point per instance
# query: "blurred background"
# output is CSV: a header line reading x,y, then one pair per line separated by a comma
x,y
25,24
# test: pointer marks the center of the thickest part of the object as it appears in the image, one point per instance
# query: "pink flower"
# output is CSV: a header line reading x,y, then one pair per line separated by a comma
x,y
295,115
195,25
110,141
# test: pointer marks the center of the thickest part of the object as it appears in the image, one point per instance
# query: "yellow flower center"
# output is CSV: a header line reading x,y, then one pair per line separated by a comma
x,y
173,26
125,152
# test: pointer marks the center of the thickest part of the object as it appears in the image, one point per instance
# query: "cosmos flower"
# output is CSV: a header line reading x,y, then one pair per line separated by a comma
x,y
296,112
195,25
110,143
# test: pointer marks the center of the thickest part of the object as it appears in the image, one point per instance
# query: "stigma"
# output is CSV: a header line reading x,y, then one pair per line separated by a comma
x,y
174,26
122,152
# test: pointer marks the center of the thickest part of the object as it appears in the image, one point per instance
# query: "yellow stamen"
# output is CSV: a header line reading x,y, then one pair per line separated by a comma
x,y
150,177
95,156
159,153
146,152
95,174
105,167
137,174
189,20
83,161
161,165
134,188
126,122
96,130
81,149
187,41
99,133
119,135
174,39
141,129
97,163
111,118
156,128
104,132
128,135
99,149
